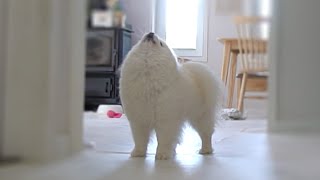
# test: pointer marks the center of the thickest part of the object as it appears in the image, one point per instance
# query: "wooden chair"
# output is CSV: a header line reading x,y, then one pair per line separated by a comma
x,y
253,70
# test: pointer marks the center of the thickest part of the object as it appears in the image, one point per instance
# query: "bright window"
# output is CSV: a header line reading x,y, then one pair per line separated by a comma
x,y
266,11
183,24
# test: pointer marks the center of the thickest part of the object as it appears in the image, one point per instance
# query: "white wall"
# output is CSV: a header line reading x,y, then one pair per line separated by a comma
x,y
2,69
295,56
44,77
139,15
219,26
25,107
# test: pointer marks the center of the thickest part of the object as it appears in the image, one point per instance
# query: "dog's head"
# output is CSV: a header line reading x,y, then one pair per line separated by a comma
x,y
151,54
153,48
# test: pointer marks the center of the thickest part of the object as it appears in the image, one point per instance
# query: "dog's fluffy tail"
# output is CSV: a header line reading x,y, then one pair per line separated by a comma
x,y
210,85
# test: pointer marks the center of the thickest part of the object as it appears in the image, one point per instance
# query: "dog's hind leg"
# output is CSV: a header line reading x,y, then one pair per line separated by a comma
x,y
141,134
205,128
168,135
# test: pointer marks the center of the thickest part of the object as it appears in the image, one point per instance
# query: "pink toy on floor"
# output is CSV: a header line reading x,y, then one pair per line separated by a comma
x,y
112,114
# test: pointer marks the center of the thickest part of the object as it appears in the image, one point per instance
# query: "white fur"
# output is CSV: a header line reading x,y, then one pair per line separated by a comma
x,y
159,94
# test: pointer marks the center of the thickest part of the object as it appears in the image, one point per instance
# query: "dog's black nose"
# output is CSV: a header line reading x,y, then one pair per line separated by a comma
x,y
150,35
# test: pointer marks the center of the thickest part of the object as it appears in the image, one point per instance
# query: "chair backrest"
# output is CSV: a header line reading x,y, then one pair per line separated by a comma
x,y
252,44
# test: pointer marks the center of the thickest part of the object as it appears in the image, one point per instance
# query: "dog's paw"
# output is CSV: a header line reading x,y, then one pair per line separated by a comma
x,y
163,156
137,153
206,151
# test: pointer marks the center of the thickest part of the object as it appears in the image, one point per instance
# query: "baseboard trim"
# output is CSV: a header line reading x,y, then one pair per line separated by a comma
x,y
295,126
9,160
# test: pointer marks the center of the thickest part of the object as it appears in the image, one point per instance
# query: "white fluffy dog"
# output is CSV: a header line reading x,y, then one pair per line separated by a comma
x,y
158,93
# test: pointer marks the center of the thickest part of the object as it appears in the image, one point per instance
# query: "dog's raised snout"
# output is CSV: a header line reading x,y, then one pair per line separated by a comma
x,y
150,35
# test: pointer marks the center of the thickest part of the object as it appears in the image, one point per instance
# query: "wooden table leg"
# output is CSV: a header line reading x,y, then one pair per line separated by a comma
x,y
238,90
232,79
242,91
225,62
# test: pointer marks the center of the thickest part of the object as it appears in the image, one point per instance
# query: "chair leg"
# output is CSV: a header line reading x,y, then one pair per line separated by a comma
x,y
242,91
